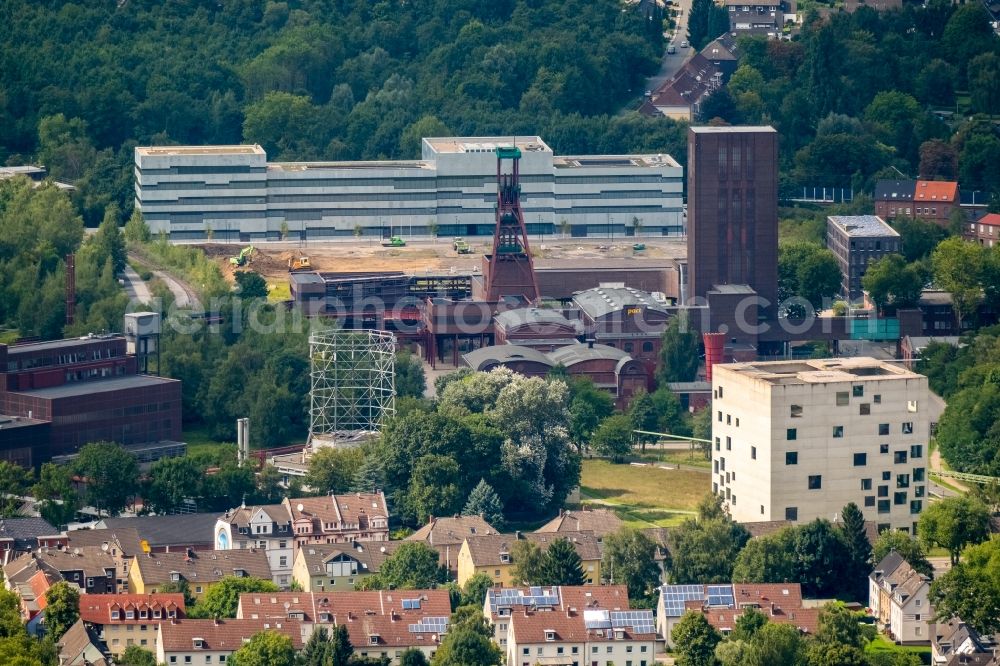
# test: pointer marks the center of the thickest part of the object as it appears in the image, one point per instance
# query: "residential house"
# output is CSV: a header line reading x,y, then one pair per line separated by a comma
x,y
121,620
20,535
339,518
581,636
503,602
985,231
759,17
601,522
681,97
491,554
198,569
165,534
121,544
89,568
897,595
723,604
29,580
381,623
954,643
934,200
336,568
80,647
446,535
894,198
267,528
724,53
211,642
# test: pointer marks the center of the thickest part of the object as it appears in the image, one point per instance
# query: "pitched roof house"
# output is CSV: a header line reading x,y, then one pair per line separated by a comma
x,y
199,569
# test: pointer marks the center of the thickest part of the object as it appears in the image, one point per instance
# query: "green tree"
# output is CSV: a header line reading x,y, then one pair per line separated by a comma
x,y
768,559
527,561
412,566
678,351
562,565
251,284
57,499
341,650
475,589
137,656
434,487
838,625
483,501
410,378
775,644
588,406
958,267
891,281
971,589
821,555
110,240
629,558
465,644
413,657
907,547
918,237
222,599
694,640
173,480
62,608
938,159
954,523
613,437
808,271
703,550
318,649
370,475
859,551
111,474
14,481
266,648
333,471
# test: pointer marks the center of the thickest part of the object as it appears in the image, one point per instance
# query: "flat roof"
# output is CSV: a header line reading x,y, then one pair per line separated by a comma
x,y
485,144
820,371
605,161
97,386
360,164
60,344
162,151
733,129
862,226
8,422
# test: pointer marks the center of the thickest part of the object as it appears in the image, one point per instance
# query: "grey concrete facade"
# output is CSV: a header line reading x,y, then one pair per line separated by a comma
x,y
233,193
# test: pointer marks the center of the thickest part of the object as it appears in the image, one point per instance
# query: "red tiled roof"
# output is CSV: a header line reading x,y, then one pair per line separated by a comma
x,y
993,220
806,619
222,635
365,614
40,584
568,626
785,595
936,190
340,509
96,608
580,597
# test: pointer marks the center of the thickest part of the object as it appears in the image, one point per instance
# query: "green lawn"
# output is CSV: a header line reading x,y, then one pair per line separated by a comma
x,y
199,441
643,496
883,644
689,458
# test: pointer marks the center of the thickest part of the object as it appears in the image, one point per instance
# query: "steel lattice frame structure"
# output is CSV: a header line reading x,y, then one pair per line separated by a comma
x,y
352,375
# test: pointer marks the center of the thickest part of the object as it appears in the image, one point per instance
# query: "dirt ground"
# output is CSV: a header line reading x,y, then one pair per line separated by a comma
x,y
271,259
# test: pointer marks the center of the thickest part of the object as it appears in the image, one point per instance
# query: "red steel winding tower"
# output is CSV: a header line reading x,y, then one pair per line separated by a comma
x,y
510,270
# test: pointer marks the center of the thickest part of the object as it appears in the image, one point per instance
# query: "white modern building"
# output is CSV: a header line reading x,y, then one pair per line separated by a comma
x,y
798,440
234,192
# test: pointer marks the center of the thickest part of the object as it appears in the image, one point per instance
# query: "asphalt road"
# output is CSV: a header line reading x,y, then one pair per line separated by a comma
x,y
137,290
671,63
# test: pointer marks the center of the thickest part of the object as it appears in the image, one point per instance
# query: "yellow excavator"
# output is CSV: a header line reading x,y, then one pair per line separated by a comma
x,y
299,264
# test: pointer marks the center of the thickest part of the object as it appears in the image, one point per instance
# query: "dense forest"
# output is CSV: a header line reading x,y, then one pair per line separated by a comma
x,y
82,84
876,94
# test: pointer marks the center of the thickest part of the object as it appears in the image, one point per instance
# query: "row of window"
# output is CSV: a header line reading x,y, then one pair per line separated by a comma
x,y
792,434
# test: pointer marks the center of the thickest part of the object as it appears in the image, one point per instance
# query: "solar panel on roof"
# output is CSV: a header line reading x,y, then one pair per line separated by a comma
x,y
674,597
429,625
720,595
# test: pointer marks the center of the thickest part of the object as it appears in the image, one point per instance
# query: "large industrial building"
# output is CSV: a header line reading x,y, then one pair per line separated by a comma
x,y
798,440
184,191
58,395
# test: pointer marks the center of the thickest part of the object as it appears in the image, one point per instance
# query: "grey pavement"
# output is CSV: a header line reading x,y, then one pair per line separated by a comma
x,y
137,290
